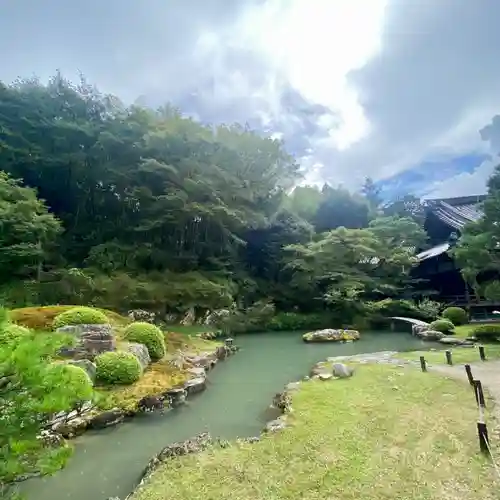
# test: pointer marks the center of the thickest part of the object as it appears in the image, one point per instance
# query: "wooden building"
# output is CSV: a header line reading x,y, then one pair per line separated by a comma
x,y
445,219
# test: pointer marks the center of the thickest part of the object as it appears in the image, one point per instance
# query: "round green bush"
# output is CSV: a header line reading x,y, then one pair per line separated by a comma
x,y
456,315
80,316
149,335
66,375
442,325
487,332
10,332
117,368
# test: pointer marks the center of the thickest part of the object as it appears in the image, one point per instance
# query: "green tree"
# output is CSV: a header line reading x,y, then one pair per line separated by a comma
x,y
371,192
26,229
31,391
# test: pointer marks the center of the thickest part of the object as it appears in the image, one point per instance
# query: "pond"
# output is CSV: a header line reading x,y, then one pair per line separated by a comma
x,y
107,463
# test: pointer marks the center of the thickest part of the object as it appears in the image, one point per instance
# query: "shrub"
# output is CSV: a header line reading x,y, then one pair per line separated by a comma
x,y
10,333
149,335
486,332
290,321
74,377
117,368
80,316
442,325
456,315
430,309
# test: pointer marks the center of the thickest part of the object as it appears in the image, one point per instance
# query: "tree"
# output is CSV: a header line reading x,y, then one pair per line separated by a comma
x,y
477,250
371,192
31,391
26,228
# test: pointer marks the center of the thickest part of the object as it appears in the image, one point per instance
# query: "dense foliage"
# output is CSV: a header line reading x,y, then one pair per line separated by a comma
x,y
149,209
149,335
456,315
487,332
117,367
31,391
80,316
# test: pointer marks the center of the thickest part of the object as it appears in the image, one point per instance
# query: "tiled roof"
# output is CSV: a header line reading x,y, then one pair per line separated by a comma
x,y
457,212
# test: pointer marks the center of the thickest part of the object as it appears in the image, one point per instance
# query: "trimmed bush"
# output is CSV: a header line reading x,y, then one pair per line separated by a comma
x,y
456,315
80,316
149,335
487,332
114,367
442,325
10,333
74,377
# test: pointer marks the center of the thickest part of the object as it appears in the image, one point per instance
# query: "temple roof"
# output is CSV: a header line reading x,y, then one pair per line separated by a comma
x,y
457,212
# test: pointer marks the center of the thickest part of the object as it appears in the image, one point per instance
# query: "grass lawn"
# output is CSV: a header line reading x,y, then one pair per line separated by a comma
x,y
386,433
467,330
460,355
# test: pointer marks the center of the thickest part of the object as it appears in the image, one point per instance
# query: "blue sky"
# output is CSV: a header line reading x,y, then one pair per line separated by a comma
x,y
353,87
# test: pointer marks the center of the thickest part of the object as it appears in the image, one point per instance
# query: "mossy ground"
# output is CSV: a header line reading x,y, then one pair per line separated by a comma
x,y
386,433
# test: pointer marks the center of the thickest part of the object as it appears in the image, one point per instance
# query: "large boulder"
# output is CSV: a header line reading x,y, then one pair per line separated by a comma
x,y
331,335
107,419
342,371
430,335
140,351
71,428
91,340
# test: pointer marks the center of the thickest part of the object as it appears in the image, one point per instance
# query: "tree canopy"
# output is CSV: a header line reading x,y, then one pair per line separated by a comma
x,y
149,208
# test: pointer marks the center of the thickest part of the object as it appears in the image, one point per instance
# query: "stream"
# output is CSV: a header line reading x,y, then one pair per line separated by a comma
x,y
108,463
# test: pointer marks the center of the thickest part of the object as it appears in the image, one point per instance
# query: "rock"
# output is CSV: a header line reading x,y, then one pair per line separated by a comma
x,y
454,341
418,329
142,315
50,439
86,365
197,371
325,376
107,419
214,318
195,385
189,318
331,335
91,341
140,351
276,425
292,386
193,445
430,335
151,403
283,401
176,397
71,428
342,371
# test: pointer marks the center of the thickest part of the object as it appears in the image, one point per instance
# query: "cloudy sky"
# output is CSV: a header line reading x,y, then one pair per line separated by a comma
x,y
353,87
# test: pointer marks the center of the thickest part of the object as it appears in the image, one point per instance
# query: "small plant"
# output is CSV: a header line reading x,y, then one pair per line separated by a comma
x,y
121,368
149,335
487,332
74,377
80,316
10,333
442,325
430,309
456,315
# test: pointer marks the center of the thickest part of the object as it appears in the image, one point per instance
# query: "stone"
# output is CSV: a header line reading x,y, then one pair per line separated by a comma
x,y
149,404
86,365
107,419
195,385
142,315
430,335
189,318
292,386
176,397
325,376
276,425
140,351
283,401
197,371
342,371
71,428
91,341
331,335
454,341
50,439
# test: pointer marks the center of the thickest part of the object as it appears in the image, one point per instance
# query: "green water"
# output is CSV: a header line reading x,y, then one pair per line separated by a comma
x,y
107,463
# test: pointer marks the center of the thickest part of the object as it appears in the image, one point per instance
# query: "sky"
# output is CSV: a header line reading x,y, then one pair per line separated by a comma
x,y
354,88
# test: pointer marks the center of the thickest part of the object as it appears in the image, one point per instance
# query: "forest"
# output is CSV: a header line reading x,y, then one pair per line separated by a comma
x,y
122,207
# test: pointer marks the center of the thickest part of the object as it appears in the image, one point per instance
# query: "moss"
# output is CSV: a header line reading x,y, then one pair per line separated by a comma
x,y
41,318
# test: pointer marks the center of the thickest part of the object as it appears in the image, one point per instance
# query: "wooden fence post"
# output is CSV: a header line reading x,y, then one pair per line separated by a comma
x,y
482,354
449,359
478,389
423,364
482,432
469,374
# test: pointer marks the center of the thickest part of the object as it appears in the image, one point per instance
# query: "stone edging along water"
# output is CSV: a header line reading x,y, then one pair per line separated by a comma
x,y
70,425
331,369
